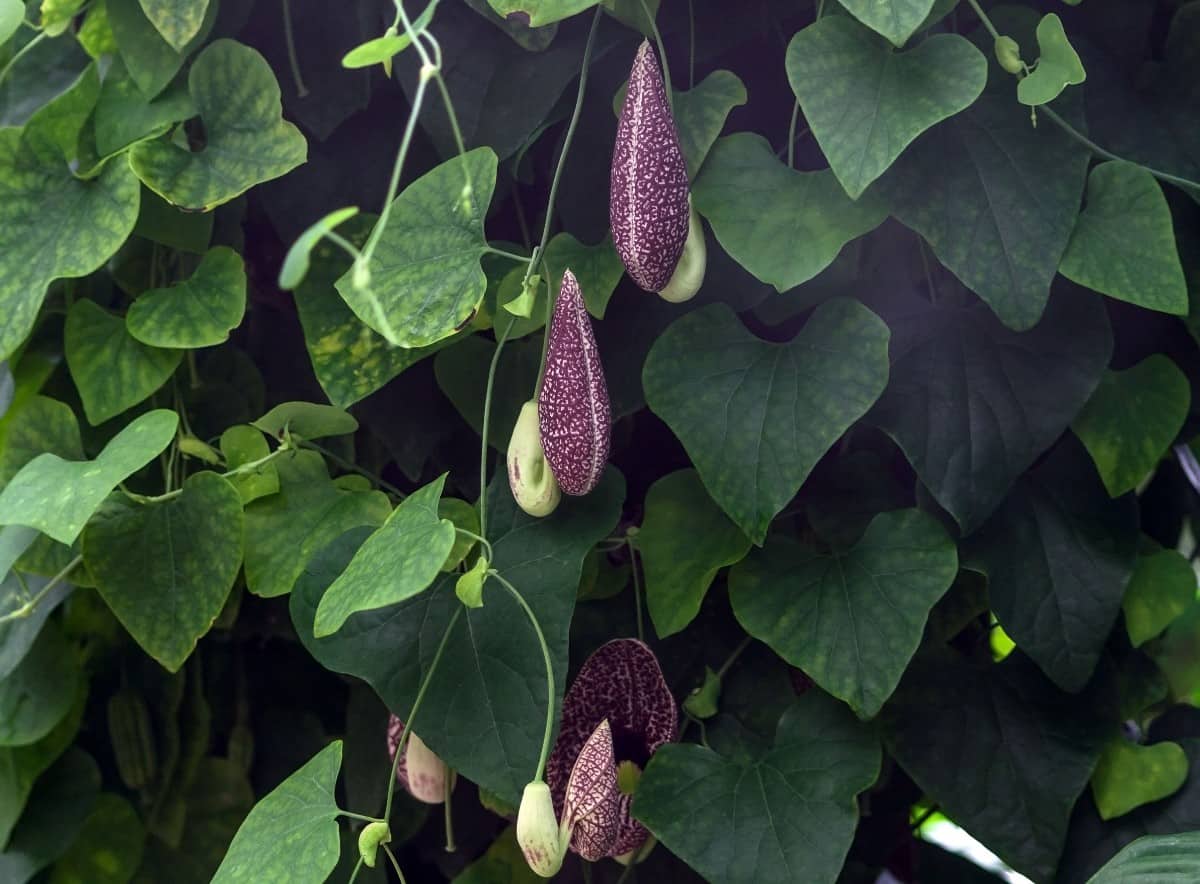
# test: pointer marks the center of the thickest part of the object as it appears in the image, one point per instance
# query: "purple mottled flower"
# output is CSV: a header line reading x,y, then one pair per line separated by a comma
x,y
621,683
648,189
592,801
420,771
573,409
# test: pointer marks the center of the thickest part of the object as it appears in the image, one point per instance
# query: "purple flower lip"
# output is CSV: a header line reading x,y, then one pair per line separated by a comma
x,y
592,801
420,771
648,186
574,416
621,684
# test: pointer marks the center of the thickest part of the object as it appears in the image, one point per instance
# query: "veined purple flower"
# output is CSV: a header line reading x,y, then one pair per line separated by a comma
x,y
621,684
420,771
573,408
648,187
592,801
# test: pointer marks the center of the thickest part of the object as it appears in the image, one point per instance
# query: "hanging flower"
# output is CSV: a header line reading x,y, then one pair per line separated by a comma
x,y
573,409
420,771
621,686
648,206
529,476
537,830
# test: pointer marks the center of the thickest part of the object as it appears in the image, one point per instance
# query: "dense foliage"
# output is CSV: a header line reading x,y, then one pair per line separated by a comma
x,y
901,504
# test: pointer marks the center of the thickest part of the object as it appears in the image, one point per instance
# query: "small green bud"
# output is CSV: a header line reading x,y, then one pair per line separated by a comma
x,y
537,830
469,587
522,304
193,447
703,701
529,476
369,839
362,275
1008,53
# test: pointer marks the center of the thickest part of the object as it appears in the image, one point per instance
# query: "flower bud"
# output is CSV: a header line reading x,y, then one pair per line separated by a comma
x,y
420,770
537,830
573,408
1008,54
648,185
689,272
369,839
529,476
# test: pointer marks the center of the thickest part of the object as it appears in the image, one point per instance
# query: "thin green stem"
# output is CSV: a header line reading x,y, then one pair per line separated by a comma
x,y
28,608
691,46
354,468
550,298
983,17
358,816
293,58
357,868
416,707
478,539
487,417
512,256
637,587
820,9
41,35
448,786
662,52
458,136
791,141
413,36
539,774
395,864
344,244
732,658
244,468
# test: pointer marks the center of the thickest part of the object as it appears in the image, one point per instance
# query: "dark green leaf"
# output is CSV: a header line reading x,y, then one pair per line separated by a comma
x,y
201,311
700,114
177,20
598,269
124,116
151,60
20,766
308,420
38,693
895,19
540,12
244,444
108,849
1161,859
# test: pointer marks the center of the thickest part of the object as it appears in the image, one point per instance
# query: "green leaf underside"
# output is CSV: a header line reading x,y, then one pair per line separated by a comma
x,y
895,19
865,102
284,531
485,707
397,562
426,280
1131,420
201,311
782,226
291,835
165,569
1123,244
850,619
248,141
58,496
1163,587
680,565
755,417
794,807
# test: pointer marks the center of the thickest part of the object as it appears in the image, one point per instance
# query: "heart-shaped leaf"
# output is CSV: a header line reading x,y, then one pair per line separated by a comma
x,y
794,807
679,563
1058,554
850,619
108,849
38,693
166,568
241,445
152,61
247,141
425,276
1131,420
1162,588
124,116
1128,775
308,420
397,562
972,403
112,370
58,496
1124,242
292,833
895,19
866,103
38,426
20,766
1058,65
755,417
535,13
201,311
486,704
598,269
177,20
783,226
700,114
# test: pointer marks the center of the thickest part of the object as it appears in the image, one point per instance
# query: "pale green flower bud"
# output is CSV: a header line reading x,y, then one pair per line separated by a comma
x,y
529,476
537,830
689,272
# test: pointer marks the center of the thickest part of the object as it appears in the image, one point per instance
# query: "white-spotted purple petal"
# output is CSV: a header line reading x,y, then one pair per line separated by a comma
x,y
573,408
592,802
648,187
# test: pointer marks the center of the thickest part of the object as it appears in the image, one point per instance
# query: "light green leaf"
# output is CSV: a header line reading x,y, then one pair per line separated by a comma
x,y
895,19
12,13
684,541
1132,419
177,20
1057,67
540,12
398,561
297,261
851,619
58,496
41,425
794,808
1154,859
247,139
1123,244
462,515
598,269
108,849
244,444
756,417
166,568
124,116
1163,587
381,50
95,35
201,311
308,420
469,586
783,226
284,531
866,102
38,693
112,370
151,60
700,114
56,15
1129,775
291,835
425,276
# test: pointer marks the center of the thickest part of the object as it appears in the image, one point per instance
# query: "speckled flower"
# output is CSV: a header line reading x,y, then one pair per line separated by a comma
x,y
648,187
573,409
621,683
592,801
420,771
